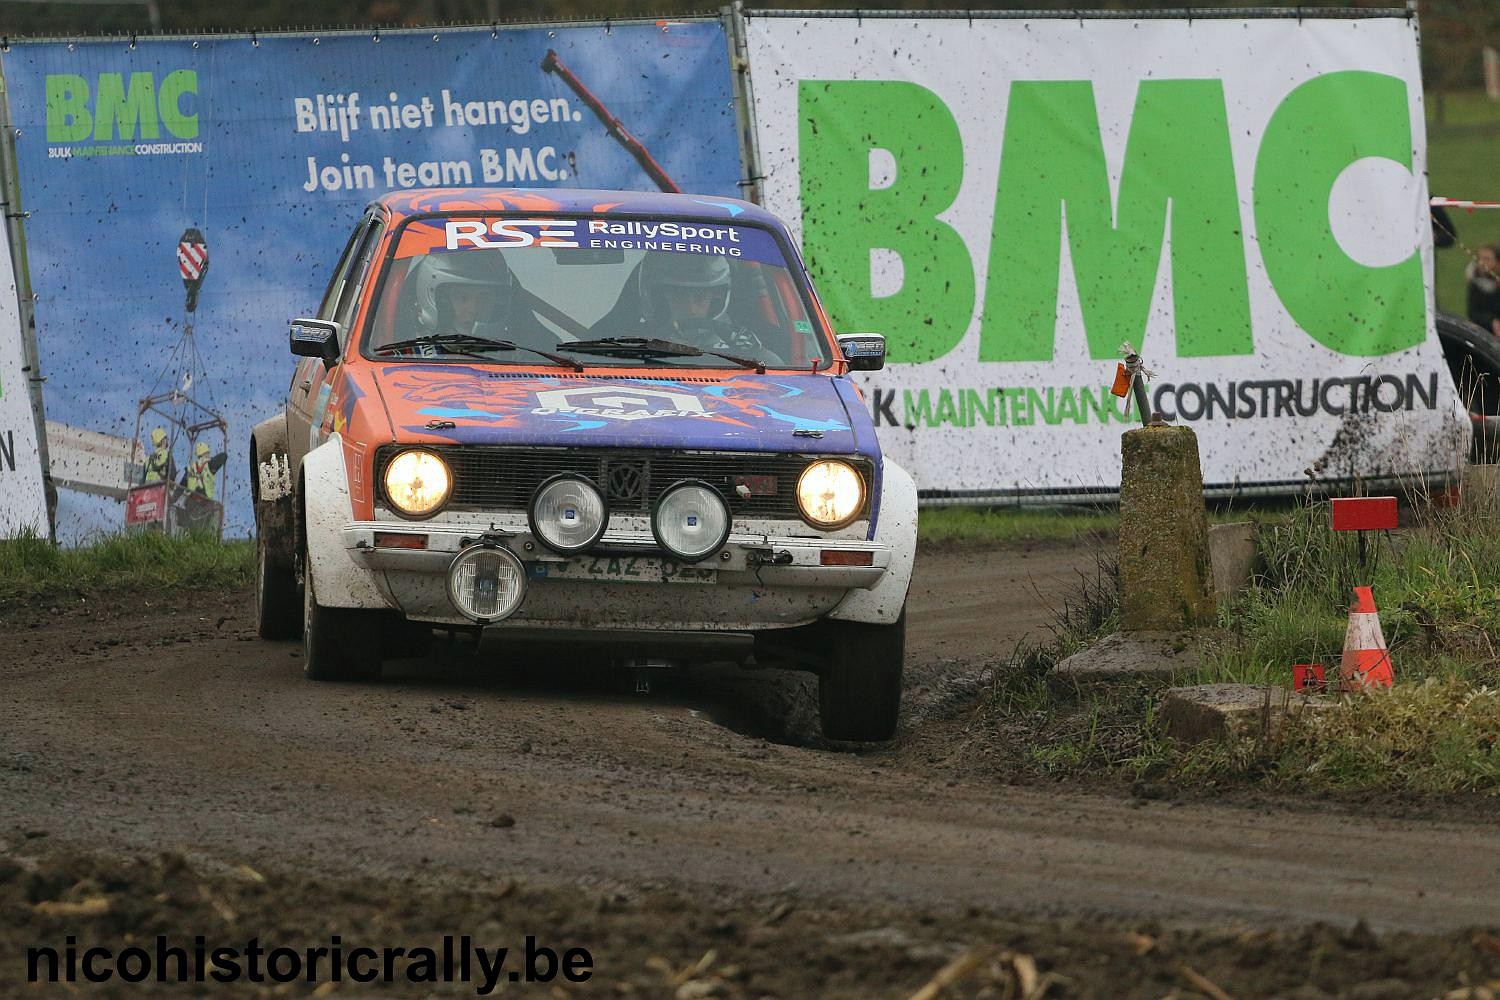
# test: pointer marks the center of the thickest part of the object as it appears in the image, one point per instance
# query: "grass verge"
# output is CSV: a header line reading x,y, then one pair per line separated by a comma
x,y
1015,525
32,567
1437,731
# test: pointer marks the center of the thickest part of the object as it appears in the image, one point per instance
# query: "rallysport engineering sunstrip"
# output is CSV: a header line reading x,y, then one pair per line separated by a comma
x,y
584,417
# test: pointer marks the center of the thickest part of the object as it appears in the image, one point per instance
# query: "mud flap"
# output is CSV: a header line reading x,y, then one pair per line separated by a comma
x,y
341,583
897,527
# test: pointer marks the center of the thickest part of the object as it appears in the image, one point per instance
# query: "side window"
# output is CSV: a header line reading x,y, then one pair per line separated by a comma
x,y
341,273
359,274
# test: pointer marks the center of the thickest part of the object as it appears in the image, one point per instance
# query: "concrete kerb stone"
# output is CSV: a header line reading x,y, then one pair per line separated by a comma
x,y
1230,712
1131,656
1231,549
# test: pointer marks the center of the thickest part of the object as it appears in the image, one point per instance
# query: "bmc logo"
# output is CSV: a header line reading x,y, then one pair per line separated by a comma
x,y
117,108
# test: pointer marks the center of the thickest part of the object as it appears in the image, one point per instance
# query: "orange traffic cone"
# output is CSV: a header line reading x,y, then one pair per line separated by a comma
x,y
1366,663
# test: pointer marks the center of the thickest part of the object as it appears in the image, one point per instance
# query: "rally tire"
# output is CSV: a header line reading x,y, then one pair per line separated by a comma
x,y
859,685
338,644
278,606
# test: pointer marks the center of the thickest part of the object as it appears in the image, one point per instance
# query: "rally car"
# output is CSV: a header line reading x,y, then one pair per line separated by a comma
x,y
584,417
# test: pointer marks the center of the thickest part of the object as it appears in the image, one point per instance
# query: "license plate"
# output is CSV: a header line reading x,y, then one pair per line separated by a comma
x,y
623,569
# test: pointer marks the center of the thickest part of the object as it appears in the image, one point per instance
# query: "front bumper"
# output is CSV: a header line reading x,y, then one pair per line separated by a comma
x,y
759,580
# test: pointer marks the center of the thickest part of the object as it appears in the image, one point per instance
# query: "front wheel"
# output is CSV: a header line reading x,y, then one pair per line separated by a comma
x,y
859,686
338,644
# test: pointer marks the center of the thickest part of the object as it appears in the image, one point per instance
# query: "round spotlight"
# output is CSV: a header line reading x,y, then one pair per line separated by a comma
x,y
568,514
830,493
417,483
486,584
691,521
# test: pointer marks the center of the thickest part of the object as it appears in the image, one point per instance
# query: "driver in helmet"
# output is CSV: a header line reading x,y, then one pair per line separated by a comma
x,y
685,297
458,291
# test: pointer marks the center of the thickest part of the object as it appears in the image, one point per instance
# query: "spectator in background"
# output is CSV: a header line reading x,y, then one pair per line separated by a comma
x,y
1483,273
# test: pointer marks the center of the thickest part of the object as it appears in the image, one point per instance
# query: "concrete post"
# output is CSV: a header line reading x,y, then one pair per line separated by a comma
x,y
1166,575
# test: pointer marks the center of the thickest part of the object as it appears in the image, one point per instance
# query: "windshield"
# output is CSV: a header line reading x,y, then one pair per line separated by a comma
x,y
605,291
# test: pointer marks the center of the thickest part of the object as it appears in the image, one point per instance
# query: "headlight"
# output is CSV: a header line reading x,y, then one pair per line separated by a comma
x,y
486,584
417,483
691,521
830,493
568,514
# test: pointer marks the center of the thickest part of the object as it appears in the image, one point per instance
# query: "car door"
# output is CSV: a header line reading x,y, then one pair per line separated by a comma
x,y
309,380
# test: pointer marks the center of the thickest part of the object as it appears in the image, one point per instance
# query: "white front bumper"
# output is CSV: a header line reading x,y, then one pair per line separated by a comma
x,y
761,581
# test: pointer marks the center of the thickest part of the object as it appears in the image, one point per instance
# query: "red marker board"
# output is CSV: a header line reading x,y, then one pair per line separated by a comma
x,y
1364,514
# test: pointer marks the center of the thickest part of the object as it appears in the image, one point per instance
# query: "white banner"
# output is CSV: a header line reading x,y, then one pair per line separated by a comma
x,y
1009,201
23,503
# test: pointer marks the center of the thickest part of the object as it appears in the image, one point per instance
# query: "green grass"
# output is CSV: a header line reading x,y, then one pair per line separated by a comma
x,y
1437,584
1021,525
1461,163
1014,525
33,567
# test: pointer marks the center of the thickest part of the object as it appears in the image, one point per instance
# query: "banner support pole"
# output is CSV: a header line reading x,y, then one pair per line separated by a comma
x,y
15,234
744,100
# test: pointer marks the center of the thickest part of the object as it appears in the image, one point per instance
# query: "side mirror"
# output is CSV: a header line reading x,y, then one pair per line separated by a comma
x,y
315,338
865,352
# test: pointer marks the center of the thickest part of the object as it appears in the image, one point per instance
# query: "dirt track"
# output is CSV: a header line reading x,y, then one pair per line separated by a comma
x,y
129,726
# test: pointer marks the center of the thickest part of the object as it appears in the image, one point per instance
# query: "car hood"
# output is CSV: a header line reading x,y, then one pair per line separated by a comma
x,y
486,406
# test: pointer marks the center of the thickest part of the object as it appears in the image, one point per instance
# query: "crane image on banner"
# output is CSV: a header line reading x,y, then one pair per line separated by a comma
x,y
616,128
181,420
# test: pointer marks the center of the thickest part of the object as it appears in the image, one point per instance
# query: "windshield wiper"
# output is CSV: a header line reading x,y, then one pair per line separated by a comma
x,y
652,349
468,345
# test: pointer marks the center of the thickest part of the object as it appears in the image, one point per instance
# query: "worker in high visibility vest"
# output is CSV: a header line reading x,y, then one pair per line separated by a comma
x,y
199,477
159,463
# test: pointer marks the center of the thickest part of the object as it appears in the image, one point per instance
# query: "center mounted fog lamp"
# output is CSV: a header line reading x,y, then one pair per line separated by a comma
x,y
568,514
830,493
691,521
486,583
417,482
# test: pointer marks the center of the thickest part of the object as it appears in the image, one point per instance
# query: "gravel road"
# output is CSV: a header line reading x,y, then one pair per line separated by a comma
x,y
132,724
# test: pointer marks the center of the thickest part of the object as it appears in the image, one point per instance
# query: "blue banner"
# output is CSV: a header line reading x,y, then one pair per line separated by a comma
x,y
210,184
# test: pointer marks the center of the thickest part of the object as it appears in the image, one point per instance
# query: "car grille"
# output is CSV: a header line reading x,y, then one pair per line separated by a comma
x,y
632,480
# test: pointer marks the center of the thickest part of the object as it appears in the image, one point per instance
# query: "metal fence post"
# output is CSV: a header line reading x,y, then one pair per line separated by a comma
x,y
15,232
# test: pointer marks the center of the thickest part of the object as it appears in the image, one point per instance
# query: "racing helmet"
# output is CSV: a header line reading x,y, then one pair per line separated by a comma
x,y
439,273
662,273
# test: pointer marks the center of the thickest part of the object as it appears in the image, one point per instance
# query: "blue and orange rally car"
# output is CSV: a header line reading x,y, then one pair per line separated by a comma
x,y
585,417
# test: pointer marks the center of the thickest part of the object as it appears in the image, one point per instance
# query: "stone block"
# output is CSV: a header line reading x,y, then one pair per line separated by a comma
x,y
1127,656
1166,574
1209,712
1231,549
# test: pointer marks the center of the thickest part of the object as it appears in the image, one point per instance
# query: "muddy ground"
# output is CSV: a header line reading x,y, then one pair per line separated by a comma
x,y
164,772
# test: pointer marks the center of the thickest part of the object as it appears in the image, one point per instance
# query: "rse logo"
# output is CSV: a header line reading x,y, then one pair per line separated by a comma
x,y
513,233
117,109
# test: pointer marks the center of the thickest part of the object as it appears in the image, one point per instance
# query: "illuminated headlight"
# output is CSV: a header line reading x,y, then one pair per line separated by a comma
x,y
830,493
691,521
486,584
417,483
568,514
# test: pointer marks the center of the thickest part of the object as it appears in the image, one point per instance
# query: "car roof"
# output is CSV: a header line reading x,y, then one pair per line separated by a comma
x,y
578,201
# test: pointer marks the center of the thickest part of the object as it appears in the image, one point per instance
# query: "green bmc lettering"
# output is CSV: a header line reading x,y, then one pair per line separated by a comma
x,y
844,219
1177,189
136,108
